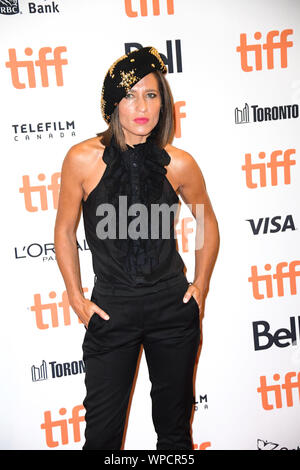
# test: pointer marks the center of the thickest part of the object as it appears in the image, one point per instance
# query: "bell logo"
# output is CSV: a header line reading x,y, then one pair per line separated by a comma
x,y
42,189
42,62
63,426
268,46
291,274
278,159
168,58
39,309
144,8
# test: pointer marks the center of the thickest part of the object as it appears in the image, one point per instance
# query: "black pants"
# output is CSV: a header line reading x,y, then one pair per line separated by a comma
x,y
169,331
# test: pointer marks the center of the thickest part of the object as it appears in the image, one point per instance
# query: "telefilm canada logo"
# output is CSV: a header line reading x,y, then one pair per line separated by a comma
x,y
255,113
40,131
200,402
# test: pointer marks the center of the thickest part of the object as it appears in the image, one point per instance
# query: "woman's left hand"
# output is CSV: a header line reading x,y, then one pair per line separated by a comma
x,y
199,295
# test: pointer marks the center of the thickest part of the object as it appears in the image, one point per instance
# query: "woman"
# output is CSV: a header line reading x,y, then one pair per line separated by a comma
x,y
141,295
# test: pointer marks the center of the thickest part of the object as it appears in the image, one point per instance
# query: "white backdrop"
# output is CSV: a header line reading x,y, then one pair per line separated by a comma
x,y
246,398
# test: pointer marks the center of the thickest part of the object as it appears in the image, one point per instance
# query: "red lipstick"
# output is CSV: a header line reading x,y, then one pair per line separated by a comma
x,y
141,120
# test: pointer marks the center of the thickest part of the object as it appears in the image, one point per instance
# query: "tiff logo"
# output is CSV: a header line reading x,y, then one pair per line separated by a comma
x,y
63,427
270,167
267,279
275,390
202,446
244,49
178,115
189,226
57,310
42,189
42,63
144,7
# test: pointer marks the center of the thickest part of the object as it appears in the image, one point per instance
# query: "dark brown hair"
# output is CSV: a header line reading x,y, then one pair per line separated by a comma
x,y
163,132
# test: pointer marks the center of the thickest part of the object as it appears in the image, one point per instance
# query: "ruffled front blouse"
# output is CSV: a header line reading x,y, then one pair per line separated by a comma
x,y
138,173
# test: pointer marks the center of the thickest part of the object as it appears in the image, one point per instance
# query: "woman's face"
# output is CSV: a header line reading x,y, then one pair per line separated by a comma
x,y
139,110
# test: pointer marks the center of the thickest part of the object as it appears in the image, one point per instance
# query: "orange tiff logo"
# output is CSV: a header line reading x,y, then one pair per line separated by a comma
x,y
60,311
42,189
278,159
202,446
290,274
291,382
43,63
185,229
244,49
144,8
178,115
63,427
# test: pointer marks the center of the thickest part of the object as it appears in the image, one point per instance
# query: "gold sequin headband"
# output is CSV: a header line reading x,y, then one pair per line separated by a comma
x,y
124,73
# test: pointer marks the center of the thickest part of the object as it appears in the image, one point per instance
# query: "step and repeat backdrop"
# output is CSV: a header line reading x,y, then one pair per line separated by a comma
x,y
234,70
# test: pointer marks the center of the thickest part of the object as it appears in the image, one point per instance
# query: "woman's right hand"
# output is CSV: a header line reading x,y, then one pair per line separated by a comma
x,y
85,308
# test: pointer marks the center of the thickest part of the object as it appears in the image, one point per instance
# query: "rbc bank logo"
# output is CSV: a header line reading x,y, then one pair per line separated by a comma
x,y
9,7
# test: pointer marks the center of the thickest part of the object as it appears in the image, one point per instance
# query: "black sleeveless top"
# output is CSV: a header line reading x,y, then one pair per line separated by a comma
x,y
123,263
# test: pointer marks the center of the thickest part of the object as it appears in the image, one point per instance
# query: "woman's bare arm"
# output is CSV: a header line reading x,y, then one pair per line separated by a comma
x,y
68,215
192,189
